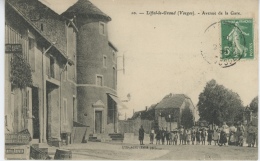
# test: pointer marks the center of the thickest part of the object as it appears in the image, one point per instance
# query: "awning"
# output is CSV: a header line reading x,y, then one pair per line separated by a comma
x,y
118,102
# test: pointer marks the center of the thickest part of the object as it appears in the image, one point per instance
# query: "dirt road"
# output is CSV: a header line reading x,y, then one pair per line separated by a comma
x,y
115,151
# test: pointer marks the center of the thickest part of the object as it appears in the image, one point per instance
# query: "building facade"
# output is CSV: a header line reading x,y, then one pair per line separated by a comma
x,y
73,69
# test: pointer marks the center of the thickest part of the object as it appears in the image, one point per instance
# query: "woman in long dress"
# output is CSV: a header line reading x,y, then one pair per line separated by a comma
x,y
223,137
188,134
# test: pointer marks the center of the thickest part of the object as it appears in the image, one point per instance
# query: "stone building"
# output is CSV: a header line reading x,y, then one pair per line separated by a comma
x,y
165,114
96,69
73,67
169,110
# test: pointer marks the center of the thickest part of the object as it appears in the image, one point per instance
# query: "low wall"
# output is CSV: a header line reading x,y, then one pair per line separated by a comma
x,y
133,126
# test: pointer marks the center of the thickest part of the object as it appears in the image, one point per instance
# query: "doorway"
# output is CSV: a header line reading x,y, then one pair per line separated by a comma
x,y
35,113
98,122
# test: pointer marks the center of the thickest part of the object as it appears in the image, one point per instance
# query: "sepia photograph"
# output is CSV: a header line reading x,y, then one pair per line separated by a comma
x,y
130,79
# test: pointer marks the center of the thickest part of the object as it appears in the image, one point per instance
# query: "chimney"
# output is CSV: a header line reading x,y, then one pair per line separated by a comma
x,y
146,108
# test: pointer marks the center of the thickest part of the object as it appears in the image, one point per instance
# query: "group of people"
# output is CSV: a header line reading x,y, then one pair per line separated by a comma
x,y
224,135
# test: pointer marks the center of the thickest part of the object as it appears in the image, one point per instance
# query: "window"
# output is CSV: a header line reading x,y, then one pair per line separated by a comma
x,y
31,56
114,56
104,61
102,28
65,73
99,80
65,112
114,77
52,70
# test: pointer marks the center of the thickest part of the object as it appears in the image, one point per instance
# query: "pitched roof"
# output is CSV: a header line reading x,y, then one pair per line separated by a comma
x,y
172,101
29,9
85,7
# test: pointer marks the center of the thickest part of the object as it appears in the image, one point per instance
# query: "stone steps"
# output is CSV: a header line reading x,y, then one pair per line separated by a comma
x,y
116,137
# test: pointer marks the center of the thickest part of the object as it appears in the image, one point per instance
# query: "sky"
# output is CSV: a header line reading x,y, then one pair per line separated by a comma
x,y
163,53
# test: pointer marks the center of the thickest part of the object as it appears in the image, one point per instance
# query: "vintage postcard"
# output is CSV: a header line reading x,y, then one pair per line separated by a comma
x,y
131,79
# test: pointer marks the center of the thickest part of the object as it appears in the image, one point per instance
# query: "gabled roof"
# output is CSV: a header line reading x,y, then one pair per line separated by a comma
x,y
28,9
85,7
172,101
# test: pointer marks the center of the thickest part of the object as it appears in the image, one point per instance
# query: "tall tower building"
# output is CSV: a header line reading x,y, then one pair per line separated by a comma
x,y
96,64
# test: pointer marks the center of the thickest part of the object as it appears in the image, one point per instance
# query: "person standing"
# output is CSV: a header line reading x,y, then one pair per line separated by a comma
x,y
210,134
158,136
151,135
188,136
175,137
251,135
198,137
215,136
223,137
171,137
226,130
181,131
163,136
193,136
184,137
240,134
141,135
203,136
232,136
168,137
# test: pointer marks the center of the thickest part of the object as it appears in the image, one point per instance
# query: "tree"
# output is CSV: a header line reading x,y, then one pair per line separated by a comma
x,y
187,119
254,105
218,104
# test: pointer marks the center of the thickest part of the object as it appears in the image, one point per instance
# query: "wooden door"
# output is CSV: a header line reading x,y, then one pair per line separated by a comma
x,y
98,121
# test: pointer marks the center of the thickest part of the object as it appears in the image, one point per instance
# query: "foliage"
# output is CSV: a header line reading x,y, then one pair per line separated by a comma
x,y
186,116
218,104
254,105
21,75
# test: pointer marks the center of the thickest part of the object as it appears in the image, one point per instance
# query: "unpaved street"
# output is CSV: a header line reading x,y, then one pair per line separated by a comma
x,y
111,151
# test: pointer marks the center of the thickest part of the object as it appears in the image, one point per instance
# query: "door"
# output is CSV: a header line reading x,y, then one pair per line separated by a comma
x,y
98,121
35,113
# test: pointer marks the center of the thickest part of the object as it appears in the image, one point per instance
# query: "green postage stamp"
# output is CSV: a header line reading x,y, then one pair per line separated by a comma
x,y
237,39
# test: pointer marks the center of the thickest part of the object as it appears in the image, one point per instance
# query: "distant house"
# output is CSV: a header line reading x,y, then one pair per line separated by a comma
x,y
168,112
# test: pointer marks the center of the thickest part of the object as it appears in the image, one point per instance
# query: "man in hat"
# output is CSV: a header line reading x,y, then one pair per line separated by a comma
x,y
141,135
